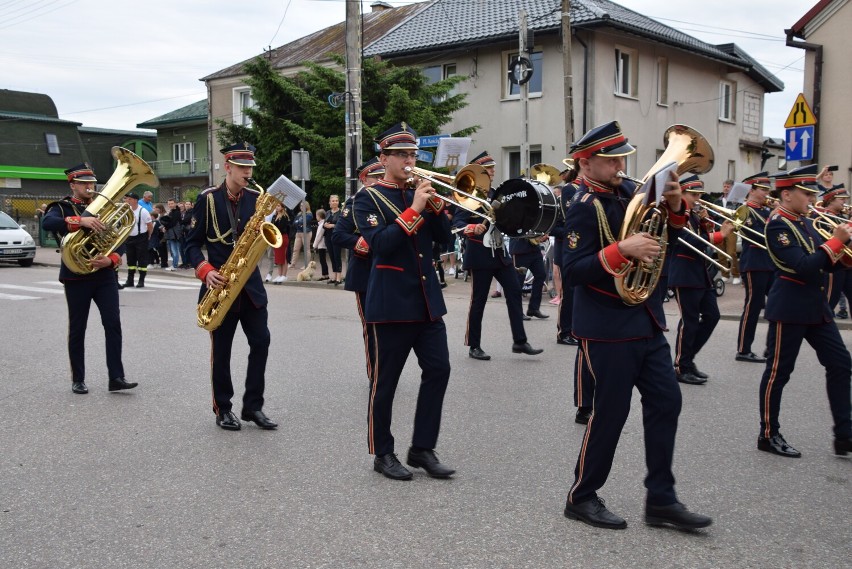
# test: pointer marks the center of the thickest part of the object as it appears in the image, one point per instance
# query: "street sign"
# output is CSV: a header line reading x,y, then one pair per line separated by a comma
x,y
425,156
800,115
430,141
799,143
301,161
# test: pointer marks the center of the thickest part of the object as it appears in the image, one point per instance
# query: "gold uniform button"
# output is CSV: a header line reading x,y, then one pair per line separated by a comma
x,y
822,288
420,255
424,278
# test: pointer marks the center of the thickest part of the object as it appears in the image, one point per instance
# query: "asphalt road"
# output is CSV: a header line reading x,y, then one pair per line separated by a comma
x,y
145,479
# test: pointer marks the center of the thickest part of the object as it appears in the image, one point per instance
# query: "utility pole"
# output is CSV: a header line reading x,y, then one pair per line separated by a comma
x,y
568,75
353,94
525,95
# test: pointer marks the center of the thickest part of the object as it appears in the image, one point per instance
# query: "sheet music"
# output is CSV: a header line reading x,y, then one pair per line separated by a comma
x,y
655,185
738,193
451,152
286,192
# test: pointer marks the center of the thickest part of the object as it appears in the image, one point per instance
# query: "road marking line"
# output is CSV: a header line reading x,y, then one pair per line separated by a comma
x,y
32,289
4,296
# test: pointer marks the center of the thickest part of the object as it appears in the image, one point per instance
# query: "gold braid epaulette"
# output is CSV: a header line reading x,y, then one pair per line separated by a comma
x,y
806,245
212,220
604,229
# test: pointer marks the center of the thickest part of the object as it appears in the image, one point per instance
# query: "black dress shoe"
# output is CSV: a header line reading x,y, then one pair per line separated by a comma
x,y
697,372
228,421
524,317
259,418
428,461
537,314
567,341
777,445
525,348
79,387
389,465
594,513
583,415
690,379
750,357
119,383
478,354
677,515
842,446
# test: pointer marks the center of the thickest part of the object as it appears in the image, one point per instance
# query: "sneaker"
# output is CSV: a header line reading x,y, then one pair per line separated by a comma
x,y
555,300
451,271
170,268
278,280
268,277
737,280
284,279
842,314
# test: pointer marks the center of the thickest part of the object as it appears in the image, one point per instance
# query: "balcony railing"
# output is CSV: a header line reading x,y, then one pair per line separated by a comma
x,y
171,169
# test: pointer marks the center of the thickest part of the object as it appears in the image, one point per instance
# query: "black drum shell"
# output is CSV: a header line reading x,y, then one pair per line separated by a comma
x,y
524,208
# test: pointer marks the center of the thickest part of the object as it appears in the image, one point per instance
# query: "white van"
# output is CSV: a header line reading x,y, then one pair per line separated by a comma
x,y
15,243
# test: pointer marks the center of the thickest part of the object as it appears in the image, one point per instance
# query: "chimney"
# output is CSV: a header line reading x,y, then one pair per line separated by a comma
x,y
380,6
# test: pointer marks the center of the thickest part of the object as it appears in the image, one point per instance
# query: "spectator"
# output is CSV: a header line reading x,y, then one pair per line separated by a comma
x,y
154,240
302,224
281,220
146,201
173,232
332,217
320,246
186,224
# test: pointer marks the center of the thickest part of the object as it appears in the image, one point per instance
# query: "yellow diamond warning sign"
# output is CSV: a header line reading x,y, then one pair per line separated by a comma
x,y
801,114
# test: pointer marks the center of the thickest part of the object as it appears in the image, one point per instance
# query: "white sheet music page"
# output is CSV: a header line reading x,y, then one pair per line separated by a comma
x,y
287,192
657,183
738,192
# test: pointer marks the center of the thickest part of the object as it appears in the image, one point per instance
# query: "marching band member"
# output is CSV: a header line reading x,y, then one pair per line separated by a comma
x,y
405,306
756,267
101,286
566,302
218,217
797,309
624,346
840,282
347,236
485,263
689,278
527,253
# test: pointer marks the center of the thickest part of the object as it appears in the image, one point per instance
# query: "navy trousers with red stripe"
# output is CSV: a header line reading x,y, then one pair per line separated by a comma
x,y
366,331
584,383
699,314
254,322
756,285
481,282
618,367
394,341
103,290
784,342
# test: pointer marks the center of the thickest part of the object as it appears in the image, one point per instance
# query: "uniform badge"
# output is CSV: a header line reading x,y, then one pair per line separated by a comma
x,y
573,240
345,212
784,239
748,221
192,223
372,220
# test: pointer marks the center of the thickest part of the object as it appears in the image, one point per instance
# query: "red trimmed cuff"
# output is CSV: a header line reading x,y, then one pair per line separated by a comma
x,y
716,237
362,248
677,220
833,248
202,270
613,261
435,205
410,221
73,222
470,229
116,259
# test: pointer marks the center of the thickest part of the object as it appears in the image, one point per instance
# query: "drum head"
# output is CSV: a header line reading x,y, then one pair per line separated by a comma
x,y
524,207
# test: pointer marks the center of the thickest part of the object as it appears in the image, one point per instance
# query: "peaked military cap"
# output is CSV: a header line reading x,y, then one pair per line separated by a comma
x,y
483,159
370,168
241,154
692,184
604,140
838,191
81,173
803,178
398,137
759,180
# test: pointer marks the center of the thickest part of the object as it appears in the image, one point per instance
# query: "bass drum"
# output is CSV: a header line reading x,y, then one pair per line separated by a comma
x,y
524,208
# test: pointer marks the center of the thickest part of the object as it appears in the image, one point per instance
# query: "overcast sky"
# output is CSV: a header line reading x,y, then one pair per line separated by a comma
x,y
116,64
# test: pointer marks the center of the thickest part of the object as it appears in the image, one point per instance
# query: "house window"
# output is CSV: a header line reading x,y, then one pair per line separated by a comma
x,y
515,161
242,101
732,169
662,81
183,152
727,100
52,143
437,73
626,71
512,90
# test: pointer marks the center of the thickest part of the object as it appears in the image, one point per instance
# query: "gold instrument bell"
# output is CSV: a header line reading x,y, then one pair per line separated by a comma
x,y
546,174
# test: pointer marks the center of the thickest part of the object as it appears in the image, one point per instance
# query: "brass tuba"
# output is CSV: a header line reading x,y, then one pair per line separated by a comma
x,y
241,263
81,246
692,153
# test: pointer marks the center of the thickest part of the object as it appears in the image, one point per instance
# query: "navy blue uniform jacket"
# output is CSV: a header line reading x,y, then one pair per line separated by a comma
x,y
209,214
403,286
347,236
476,254
591,261
797,295
754,258
61,218
688,269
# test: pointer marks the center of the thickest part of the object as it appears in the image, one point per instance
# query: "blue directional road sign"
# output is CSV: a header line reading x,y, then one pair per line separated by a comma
x,y
430,141
800,144
425,156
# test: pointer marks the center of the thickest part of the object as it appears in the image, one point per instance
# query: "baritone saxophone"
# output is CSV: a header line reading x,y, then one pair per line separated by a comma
x,y
257,235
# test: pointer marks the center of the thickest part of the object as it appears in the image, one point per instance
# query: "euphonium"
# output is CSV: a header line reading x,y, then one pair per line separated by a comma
x,y
692,153
241,263
81,246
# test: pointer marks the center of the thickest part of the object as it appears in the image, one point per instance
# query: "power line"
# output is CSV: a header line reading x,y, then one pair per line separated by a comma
x,y
281,22
13,23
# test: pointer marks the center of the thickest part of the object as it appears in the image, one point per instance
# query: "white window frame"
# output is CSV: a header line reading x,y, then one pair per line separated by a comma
x,y
242,95
626,72
727,101
445,71
663,81
536,55
183,152
52,143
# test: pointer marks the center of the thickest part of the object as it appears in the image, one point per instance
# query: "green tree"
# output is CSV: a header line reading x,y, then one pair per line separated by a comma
x,y
294,112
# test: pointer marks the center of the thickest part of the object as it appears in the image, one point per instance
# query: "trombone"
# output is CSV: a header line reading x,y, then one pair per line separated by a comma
x,y
719,251
469,187
825,224
735,216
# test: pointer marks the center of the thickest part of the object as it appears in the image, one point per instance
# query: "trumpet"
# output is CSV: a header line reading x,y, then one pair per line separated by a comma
x,y
735,216
825,223
468,188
